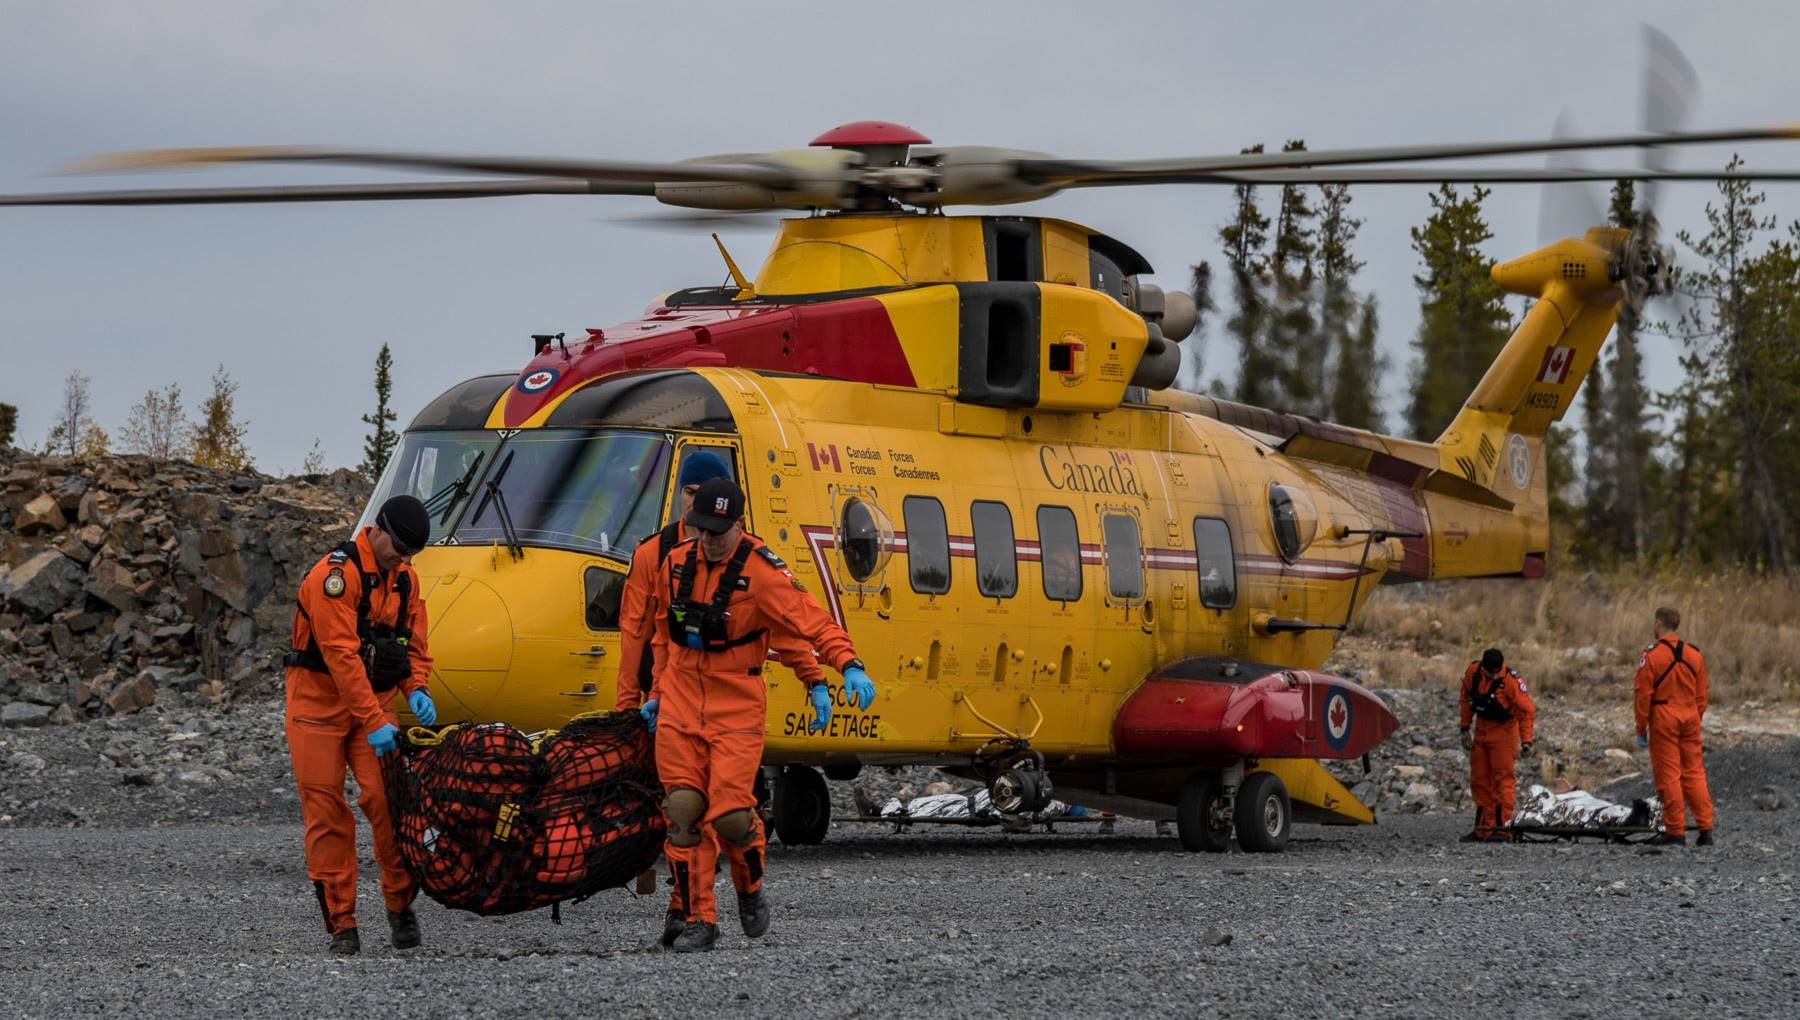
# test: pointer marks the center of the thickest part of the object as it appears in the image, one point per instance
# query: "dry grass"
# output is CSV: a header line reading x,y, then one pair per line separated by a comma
x,y
1580,635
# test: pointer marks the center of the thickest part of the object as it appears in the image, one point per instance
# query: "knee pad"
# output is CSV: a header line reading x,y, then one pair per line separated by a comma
x,y
684,809
736,827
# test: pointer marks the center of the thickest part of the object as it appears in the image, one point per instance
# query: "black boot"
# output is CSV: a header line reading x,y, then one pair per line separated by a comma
x,y
673,923
1664,839
697,937
1472,837
405,928
1704,839
753,912
346,943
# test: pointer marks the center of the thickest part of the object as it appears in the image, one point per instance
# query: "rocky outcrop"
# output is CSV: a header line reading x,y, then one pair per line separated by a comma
x,y
127,582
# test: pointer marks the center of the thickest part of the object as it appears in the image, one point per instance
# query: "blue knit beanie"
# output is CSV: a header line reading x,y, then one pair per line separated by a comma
x,y
701,468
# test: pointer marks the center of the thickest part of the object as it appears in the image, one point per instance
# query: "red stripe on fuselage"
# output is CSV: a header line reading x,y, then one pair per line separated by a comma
x,y
850,339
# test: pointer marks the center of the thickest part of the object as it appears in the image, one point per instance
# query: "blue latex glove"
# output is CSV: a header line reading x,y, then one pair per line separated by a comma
x,y
821,699
1643,741
648,711
422,707
382,740
859,688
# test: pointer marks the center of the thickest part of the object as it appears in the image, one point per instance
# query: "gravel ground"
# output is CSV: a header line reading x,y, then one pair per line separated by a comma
x,y
1392,921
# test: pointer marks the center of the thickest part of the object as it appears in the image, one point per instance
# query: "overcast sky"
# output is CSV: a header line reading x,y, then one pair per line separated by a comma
x,y
294,301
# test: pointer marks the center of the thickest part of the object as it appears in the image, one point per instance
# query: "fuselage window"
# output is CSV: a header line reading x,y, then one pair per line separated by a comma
x,y
604,589
1124,556
866,538
927,544
1294,520
996,556
1059,543
1218,567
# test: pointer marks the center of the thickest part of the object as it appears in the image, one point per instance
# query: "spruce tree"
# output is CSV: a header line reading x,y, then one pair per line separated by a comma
x,y
9,423
1463,318
1627,401
1359,363
1732,356
378,446
1200,284
1347,326
1245,238
1292,331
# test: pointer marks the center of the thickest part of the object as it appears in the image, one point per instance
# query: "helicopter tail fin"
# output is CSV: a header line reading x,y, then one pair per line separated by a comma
x,y
1497,439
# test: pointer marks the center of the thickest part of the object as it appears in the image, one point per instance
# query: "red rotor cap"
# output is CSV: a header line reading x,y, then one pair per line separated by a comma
x,y
870,132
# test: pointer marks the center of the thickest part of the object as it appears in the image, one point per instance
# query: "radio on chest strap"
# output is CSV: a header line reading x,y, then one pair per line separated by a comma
x,y
704,625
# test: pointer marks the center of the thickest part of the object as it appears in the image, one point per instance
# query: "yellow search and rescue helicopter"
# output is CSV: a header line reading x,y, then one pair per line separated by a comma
x,y
959,432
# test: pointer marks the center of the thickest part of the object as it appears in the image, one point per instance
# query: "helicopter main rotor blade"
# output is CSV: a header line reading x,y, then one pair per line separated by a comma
x,y
1071,173
1454,175
766,176
333,193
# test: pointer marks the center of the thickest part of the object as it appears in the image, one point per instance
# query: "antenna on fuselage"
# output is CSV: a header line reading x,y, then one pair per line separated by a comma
x,y
745,291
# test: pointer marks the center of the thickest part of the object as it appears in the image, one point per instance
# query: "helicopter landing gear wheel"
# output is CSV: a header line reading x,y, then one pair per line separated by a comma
x,y
802,806
1021,789
1264,815
1203,816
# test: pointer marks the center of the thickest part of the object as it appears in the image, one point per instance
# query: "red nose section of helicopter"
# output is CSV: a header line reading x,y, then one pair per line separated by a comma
x,y
1213,708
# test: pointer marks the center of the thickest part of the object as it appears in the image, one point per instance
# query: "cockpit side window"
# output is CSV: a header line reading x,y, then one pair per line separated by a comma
x,y
439,468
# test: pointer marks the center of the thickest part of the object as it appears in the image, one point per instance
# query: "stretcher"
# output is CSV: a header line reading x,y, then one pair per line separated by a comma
x,y
901,823
495,821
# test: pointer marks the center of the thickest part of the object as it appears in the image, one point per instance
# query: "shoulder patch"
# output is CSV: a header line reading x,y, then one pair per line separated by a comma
x,y
1521,681
797,585
338,556
769,554
334,583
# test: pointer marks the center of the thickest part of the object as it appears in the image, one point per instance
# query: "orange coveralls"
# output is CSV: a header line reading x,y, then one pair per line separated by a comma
x,y
638,608
709,731
1496,744
1669,710
329,718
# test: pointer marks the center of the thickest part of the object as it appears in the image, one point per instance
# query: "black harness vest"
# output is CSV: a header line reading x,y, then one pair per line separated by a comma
x,y
1486,704
703,625
368,634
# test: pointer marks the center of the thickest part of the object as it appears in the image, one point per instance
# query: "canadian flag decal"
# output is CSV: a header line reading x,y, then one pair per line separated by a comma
x,y
1557,362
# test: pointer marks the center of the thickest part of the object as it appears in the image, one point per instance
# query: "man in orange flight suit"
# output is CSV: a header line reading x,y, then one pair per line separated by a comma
x,y
639,605
726,597
1669,704
359,635
1496,703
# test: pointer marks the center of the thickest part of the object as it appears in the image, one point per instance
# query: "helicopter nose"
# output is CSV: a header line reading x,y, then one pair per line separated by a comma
x,y
474,631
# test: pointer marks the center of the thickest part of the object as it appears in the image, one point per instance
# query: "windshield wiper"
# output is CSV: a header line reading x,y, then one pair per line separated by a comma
x,y
445,500
498,498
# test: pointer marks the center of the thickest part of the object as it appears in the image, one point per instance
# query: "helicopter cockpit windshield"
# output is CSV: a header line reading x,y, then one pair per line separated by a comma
x,y
591,490
439,468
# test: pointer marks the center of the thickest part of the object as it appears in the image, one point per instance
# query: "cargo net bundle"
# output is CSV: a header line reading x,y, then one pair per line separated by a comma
x,y
491,821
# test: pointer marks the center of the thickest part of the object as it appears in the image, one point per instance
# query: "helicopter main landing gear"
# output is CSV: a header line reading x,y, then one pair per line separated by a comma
x,y
1212,803
1019,784
802,806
